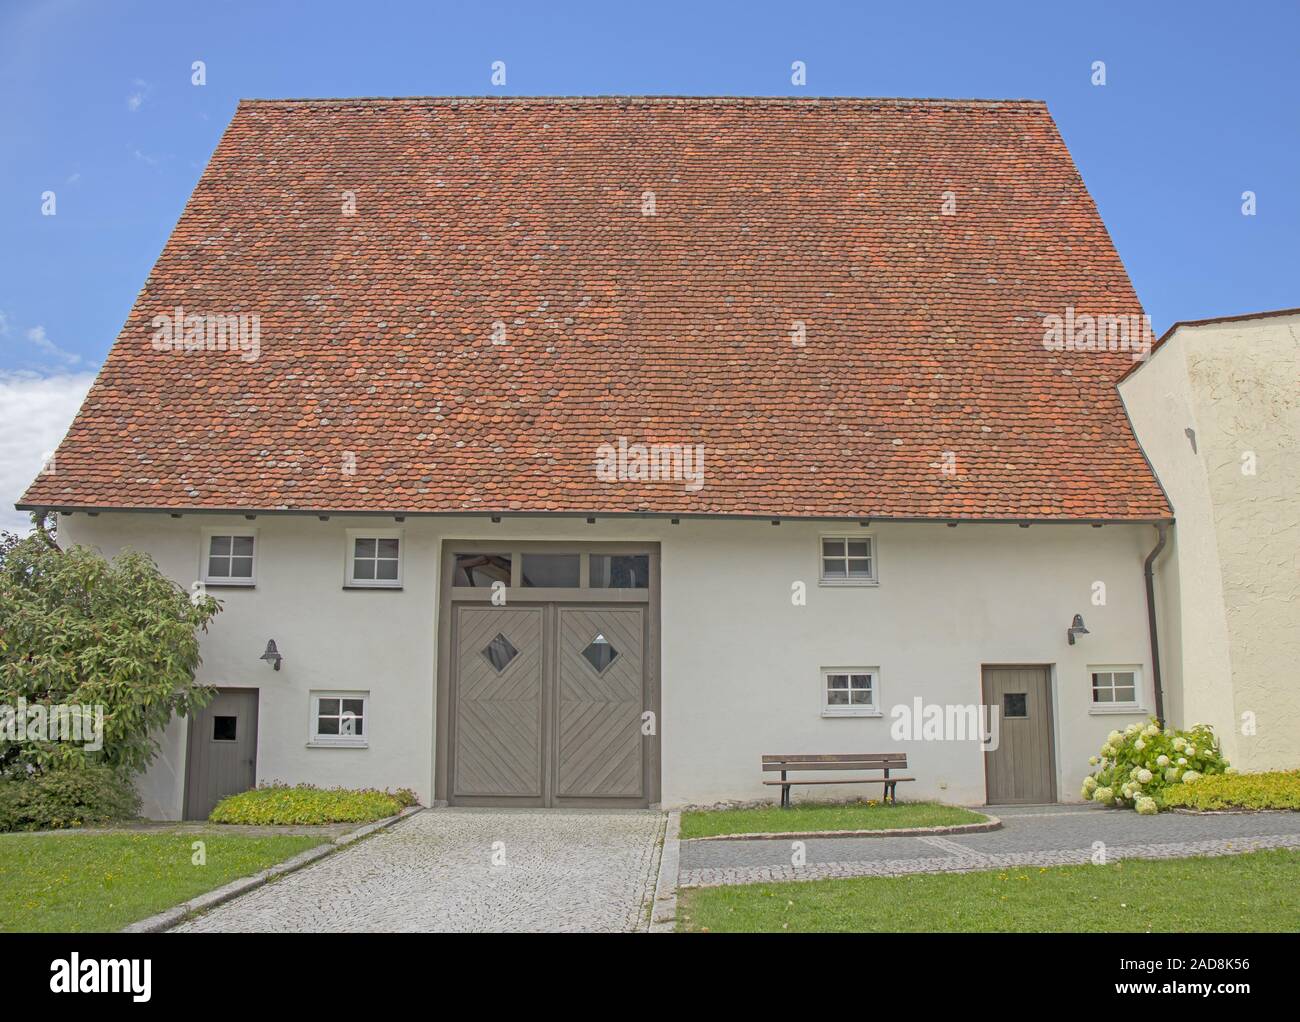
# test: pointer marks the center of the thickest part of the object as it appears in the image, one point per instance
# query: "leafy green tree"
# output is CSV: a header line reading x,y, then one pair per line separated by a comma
x,y
76,629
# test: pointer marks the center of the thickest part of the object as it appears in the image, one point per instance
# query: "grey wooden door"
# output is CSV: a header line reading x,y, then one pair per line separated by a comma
x,y
222,756
498,704
600,698
546,705
1021,770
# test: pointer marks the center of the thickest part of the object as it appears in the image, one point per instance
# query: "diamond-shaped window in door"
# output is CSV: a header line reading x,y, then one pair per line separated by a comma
x,y
500,652
600,654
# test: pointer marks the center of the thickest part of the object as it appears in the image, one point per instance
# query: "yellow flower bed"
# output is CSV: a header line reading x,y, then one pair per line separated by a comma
x,y
304,804
1278,789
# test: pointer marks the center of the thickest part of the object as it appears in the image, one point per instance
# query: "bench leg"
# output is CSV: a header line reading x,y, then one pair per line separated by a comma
x,y
785,793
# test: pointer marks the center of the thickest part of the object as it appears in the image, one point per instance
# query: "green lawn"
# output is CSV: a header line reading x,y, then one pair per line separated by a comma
x,y
1256,892
823,816
98,882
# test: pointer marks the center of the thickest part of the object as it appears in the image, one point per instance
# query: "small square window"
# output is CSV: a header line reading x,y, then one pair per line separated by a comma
x,y
225,729
339,718
848,560
1114,687
228,559
849,691
374,560
1014,704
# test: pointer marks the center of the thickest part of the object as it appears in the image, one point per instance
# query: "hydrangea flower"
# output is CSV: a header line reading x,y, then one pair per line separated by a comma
x,y
1137,763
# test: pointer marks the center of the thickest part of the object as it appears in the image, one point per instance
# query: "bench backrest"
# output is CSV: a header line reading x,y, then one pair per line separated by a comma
x,y
839,761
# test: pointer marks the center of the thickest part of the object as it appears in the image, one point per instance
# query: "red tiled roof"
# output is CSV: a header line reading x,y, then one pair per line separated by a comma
x,y
923,330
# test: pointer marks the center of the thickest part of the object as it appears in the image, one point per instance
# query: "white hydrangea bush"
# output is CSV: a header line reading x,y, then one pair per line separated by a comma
x,y
1138,764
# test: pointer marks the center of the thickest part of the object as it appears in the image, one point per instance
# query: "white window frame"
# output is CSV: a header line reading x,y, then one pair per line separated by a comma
x,y
226,580
872,580
349,561
315,739
871,709
1134,707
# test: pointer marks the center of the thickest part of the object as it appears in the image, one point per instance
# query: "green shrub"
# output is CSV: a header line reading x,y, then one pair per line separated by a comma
x,y
79,630
1279,789
307,804
71,797
1139,766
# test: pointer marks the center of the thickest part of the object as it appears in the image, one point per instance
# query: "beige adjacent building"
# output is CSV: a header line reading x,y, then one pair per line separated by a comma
x,y
1217,411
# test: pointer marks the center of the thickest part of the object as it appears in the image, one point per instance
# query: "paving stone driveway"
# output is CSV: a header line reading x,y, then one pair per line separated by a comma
x,y
1035,836
573,870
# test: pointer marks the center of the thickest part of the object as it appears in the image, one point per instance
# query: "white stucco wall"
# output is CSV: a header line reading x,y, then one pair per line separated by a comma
x,y
740,662
1230,587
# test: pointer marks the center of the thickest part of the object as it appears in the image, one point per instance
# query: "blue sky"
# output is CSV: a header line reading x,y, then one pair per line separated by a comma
x,y
1201,103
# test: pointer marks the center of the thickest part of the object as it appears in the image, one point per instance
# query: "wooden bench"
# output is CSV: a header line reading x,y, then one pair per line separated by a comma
x,y
857,761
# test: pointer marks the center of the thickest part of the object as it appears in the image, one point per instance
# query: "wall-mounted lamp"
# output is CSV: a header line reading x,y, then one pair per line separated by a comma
x,y
272,655
1076,628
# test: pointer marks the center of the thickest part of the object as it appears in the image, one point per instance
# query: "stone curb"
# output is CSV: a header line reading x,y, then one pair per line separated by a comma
x,y
991,823
1228,812
167,919
663,911
714,876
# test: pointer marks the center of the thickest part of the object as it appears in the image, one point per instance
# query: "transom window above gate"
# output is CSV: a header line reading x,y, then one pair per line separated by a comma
x,y
479,571
620,571
606,574
551,571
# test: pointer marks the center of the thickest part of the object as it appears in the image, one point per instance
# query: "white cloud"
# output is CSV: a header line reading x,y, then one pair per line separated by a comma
x,y
36,335
35,413
136,99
